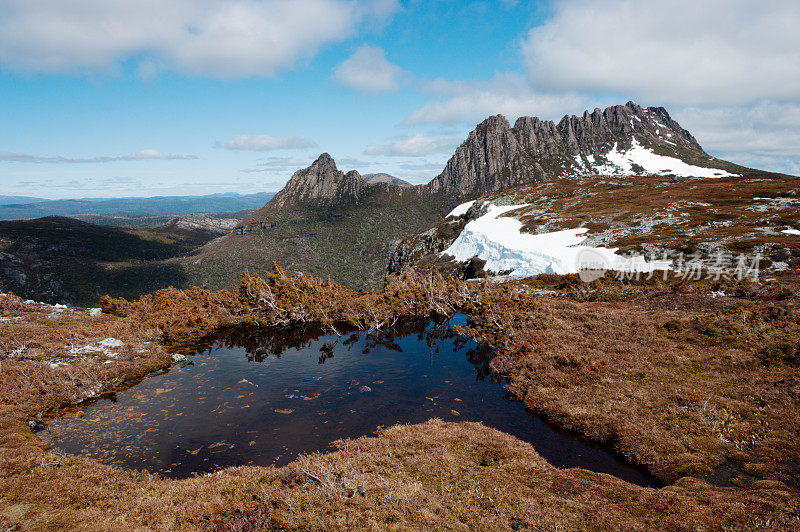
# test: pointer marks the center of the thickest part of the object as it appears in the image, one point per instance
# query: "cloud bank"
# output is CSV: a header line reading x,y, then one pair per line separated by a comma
x,y
680,52
508,94
368,71
144,155
417,145
217,38
267,143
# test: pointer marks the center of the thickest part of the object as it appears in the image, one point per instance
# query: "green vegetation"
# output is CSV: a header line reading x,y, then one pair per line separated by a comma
x,y
348,241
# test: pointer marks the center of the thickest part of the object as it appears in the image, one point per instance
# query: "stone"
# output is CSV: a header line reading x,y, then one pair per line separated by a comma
x,y
111,343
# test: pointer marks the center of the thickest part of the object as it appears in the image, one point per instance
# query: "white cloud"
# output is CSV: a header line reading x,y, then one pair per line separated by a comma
x,y
764,135
144,155
417,145
352,163
368,71
279,165
267,142
220,38
671,51
507,94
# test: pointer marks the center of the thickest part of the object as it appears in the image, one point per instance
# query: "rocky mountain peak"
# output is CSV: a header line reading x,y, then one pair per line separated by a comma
x,y
320,182
323,164
619,140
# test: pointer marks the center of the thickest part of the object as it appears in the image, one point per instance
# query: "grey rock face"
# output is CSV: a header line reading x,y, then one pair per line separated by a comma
x,y
320,181
408,251
206,223
385,178
497,156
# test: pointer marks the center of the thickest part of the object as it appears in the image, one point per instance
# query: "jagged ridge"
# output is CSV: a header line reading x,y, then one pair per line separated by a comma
x,y
496,156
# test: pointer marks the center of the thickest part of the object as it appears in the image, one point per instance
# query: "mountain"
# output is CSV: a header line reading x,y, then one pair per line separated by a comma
x,y
620,140
155,205
326,222
386,178
338,224
17,200
321,183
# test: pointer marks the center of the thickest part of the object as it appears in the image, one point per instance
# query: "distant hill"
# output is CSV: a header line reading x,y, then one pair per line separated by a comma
x,y
385,178
17,200
64,260
135,206
151,221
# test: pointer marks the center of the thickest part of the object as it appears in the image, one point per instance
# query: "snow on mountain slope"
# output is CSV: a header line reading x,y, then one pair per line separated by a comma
x,y
461,209
498,240
623,162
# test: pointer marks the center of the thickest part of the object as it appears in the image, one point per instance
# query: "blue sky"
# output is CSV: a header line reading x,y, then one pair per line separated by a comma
x,y
103,98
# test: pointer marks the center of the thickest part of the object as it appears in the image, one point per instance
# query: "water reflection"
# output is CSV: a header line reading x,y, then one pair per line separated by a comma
x,y
264,396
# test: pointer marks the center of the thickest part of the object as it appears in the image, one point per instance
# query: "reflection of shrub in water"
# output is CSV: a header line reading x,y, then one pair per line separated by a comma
x,y
261,343
481,358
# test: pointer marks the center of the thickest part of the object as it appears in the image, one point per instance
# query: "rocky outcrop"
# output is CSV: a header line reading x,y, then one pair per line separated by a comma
x,y
320,182
204,222
496,156
385,178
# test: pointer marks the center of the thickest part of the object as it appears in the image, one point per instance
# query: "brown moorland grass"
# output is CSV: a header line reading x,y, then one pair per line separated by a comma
x,y
700,218
680,382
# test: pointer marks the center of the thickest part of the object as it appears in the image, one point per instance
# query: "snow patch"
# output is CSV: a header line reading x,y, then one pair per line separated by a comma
x,y
499,242
461,210
621,162
791,231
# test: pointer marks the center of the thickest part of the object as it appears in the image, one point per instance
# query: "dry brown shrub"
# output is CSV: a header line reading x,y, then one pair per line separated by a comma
x,y
180,316
278,299
10,303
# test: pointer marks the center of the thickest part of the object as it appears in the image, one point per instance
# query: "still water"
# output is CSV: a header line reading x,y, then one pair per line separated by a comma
x,y
262,398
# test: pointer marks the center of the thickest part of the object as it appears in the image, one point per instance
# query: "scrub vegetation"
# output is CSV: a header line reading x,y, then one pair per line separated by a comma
x,y
697,381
